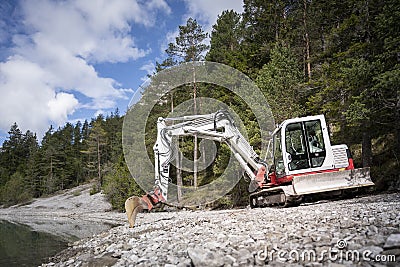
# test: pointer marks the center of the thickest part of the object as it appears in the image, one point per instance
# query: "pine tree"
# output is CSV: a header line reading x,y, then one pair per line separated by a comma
x,y
95,144
264,22
188,47
77,157
30,168
226,41
13,150
386,87
189,44
279,80
50,162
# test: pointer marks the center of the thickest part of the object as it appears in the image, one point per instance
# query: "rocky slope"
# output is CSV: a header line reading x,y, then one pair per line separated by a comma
x,y
361,231
72,214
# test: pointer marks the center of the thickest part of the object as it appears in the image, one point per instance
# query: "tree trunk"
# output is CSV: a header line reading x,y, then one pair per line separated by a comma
x,y
195,137
178,164
178,160
366,146
172,101
49,187
179,176
195,163
203,153
397,122
307,42
98,162
323,42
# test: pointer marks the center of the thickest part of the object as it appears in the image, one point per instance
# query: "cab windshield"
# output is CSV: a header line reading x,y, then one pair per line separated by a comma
x,y
305,146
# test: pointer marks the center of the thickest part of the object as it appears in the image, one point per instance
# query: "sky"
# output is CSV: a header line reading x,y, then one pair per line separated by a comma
x,y
70,60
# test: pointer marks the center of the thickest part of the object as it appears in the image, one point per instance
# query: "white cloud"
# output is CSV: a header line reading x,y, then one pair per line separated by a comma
x,y
97,31
158,4
26,98
54,58
98,112
169,38
149,68
61,106
207,11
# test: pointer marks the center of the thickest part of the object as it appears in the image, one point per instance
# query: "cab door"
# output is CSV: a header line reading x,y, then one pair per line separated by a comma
x,y
297,154
304,146
315,143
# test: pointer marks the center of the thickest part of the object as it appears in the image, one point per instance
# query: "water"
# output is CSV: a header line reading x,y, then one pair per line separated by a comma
x,y
20,245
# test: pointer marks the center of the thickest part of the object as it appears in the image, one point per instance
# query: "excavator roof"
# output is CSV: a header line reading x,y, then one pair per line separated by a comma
x,y
293,120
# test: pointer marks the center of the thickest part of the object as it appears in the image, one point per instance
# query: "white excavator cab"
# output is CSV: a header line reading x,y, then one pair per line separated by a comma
x,y
302,145
305,162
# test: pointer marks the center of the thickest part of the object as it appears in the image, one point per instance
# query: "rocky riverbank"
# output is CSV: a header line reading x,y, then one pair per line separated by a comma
x,y
362,231
72,214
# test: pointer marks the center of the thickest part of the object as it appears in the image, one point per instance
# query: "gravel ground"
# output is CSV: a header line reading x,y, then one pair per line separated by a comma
x,y
362,231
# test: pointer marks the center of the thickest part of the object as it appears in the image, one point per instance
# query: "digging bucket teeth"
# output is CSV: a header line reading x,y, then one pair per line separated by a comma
x,y
330,181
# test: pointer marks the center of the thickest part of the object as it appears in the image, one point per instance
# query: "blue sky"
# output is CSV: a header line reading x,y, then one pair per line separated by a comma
x,y
73,59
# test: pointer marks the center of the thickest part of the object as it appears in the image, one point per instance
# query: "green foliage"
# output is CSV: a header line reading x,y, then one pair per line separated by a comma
x,y
356,112
28,169
96,142
119,185
95,189
279,80
188,46
226,38
15,190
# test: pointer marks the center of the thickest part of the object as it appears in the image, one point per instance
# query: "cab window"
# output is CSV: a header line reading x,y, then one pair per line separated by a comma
x,y
315,141
305,145
278,155
296,147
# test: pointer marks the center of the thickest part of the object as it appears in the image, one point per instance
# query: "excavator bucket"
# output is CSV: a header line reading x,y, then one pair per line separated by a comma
x,y
330,181
133,205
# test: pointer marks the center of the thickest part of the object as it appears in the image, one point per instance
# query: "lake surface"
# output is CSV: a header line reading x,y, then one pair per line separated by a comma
x,y
20,245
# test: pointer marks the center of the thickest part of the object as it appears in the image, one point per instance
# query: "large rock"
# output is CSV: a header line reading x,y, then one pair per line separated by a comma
x,y
204,257
393,241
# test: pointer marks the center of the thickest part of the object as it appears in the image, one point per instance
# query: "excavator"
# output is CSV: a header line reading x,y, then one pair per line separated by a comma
x,y
302,159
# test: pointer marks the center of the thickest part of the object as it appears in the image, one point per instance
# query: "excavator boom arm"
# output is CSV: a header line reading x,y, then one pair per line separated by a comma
x,y
218,126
